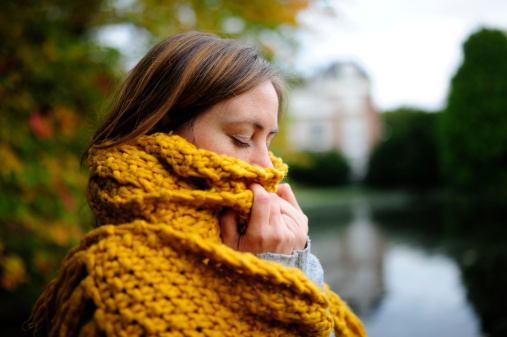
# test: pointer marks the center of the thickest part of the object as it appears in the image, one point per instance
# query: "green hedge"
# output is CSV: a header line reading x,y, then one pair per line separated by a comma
x,y
320,169
408,154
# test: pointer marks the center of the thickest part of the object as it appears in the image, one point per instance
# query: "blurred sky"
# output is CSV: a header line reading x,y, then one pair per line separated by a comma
x,y
410,48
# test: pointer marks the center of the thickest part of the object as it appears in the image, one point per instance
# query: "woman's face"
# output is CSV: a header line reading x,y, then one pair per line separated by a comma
x,y
241,127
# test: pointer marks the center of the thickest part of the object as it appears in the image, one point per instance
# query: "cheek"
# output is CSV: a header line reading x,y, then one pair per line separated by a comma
x,y
217,142
226,147
187,134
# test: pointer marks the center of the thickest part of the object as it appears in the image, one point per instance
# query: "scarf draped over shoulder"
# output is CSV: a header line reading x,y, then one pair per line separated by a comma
x,y
156,265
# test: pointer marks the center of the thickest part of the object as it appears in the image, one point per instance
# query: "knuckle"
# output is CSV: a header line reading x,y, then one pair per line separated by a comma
x,y
260,195
274,198
286,187
260,239
278,239
255,188
264,199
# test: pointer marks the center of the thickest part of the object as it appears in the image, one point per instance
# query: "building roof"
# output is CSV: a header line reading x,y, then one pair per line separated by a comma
x,y
343,68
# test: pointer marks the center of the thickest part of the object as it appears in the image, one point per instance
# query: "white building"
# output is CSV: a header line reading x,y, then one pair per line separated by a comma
x,y
333,111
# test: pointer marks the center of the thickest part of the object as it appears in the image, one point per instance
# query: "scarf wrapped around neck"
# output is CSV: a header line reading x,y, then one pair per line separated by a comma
x,y
156,266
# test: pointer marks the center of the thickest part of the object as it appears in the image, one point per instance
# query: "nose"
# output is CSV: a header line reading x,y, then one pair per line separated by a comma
x,y
261,158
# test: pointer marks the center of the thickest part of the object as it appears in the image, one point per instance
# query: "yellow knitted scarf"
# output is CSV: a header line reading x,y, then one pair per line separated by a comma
x,y
157,267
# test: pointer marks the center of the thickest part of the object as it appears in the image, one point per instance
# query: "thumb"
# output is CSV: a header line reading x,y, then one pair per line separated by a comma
x,y
229,228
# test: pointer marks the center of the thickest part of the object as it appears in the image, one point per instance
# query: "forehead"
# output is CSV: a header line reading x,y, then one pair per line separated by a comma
x,y
257,104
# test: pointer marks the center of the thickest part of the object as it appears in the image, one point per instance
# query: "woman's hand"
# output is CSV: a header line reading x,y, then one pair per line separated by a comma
x,y
294,217
276,224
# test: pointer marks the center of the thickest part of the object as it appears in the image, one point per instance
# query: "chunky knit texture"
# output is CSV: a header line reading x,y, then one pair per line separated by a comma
x,y
157,266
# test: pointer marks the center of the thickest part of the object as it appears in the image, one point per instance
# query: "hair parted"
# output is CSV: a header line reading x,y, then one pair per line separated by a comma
x,y
179,79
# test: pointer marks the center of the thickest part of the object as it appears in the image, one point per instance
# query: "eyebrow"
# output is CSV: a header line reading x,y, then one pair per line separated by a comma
x,y
255,123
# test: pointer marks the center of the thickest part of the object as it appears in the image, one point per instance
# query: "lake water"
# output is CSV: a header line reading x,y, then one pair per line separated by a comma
x,y
401,266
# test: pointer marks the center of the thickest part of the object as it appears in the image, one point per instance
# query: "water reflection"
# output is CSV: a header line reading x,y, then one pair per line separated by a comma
x,y
400,285
424,297
353,261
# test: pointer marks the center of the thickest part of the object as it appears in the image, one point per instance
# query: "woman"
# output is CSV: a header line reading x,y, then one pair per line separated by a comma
x,y
195,236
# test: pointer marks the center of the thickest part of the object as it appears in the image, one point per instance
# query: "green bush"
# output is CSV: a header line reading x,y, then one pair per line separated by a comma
x,y
408,155
320,169
473,128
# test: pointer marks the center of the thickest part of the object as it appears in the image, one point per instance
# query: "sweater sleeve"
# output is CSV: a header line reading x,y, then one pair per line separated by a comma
x,y
301,259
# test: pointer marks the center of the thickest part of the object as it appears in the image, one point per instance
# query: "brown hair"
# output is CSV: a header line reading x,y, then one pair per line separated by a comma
x,y
179,79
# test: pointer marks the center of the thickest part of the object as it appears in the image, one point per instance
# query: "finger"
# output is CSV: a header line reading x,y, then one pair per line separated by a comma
x,y
284,191
283,238
297,215
299,236
260,214
288,209
274,211
229,228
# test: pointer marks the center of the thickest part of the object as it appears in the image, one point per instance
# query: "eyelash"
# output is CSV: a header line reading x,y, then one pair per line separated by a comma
x,y
240,143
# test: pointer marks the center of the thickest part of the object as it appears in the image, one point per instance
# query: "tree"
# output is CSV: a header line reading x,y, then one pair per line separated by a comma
x,y
408,155
269,24
473,128
52,80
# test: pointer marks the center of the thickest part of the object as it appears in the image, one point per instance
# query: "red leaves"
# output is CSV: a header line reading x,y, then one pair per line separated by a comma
x,y
41,125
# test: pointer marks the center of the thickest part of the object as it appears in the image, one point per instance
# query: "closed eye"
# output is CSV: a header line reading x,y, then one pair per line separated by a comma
x,y
240,143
